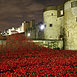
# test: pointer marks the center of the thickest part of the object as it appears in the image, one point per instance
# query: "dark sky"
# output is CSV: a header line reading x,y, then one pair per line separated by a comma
x,y
14,12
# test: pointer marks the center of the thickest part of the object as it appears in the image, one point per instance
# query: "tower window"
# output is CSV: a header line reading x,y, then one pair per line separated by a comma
x,y
51,14
68,33
61,12
50,25
76,19
74,4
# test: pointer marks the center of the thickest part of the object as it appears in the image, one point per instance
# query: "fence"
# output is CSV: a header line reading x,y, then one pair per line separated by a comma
x,y
54,44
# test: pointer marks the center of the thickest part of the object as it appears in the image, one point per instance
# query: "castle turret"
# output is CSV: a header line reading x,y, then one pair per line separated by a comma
x,y
53,18
70,24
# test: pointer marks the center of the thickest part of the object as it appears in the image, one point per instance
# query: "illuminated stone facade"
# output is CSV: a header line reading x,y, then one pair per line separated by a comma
x,y
53,21
61,23
70,25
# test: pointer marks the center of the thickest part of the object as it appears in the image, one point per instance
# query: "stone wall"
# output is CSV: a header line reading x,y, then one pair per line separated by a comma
x,y
53,44
52,30
70,25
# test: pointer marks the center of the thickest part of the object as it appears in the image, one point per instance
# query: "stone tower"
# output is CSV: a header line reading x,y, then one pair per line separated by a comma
x,y
53,18
70,24
61,22
50,19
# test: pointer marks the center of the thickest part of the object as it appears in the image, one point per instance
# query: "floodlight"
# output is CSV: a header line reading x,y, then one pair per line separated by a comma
x,y
28,35
42,27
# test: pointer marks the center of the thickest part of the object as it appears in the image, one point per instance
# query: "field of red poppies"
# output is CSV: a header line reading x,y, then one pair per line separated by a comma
x,y
23,58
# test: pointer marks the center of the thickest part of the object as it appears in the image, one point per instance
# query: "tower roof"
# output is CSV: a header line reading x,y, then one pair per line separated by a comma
x,y
50,8
54,7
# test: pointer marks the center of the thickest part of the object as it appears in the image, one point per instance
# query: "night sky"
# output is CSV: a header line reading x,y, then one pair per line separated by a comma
x,y
14,12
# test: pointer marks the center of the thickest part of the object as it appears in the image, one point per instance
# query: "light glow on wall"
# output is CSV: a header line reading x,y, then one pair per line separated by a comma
x,y
28,34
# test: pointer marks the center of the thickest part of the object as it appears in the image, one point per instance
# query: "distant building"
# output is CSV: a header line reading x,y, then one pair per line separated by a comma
x,y
26,28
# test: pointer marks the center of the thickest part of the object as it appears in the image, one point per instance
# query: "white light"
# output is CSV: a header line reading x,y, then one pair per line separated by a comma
x,y
42,27
61,12
28,34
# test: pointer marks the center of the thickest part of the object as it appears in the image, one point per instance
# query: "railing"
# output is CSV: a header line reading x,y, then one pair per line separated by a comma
x,y
54,44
